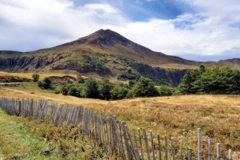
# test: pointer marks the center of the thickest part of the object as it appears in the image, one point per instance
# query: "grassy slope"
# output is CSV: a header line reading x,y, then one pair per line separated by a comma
x,y
21,138
15,141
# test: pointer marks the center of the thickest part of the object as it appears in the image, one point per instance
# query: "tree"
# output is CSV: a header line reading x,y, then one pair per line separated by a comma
x,y
212,80
105,88
35,77
46,83
91,89
202,68
164,91
119,93
144,88
187,85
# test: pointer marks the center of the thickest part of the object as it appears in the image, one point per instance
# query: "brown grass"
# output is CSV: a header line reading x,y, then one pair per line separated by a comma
x,y
217,115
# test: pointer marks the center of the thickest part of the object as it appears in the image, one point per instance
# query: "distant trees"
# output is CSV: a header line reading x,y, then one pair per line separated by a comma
x,y
212,80
46,83
105,90
35,77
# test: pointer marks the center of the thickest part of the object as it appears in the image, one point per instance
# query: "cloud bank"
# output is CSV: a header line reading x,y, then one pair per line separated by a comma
x,y
211,29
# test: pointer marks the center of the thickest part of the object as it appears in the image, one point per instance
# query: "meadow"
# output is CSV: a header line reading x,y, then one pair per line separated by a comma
x,y
175,116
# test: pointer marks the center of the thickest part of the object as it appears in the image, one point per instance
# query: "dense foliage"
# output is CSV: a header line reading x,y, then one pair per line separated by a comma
x,y
213,80
46,83
144,88
35,77
105,90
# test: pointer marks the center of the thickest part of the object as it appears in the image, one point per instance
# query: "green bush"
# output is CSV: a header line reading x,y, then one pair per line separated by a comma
x,y
73,91
91,89
144,88
105,88
46,83
80,79
35,77
165,91
119,93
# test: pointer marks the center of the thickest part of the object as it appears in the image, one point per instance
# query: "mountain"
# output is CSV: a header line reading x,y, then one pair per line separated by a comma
x,y
110,42
104,53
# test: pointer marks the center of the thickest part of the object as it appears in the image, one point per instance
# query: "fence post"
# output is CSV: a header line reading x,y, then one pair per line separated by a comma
x,y
181,148
159,148
229,154
218,151
166,148
209,149
140,139
199,144
189,154
135,138
121,140
153,148
173,149
146,142
126,142
134,150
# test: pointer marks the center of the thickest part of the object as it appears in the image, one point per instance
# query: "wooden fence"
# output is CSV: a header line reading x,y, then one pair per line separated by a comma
x,y
115,135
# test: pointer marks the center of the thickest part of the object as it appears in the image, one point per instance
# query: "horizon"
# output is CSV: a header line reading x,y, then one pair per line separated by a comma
x,y
194,30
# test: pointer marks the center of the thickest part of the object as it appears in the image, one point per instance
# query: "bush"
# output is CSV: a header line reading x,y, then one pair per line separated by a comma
x,y
46,83
105,88
119,93
73,91
35,77
65,89
80,79
144,88
91,89
165,91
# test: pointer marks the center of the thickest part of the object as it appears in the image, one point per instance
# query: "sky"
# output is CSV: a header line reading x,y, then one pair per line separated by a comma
x,y
201,30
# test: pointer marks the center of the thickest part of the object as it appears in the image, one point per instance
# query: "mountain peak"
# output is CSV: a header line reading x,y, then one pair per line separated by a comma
x,y
105,37
105,31
109,40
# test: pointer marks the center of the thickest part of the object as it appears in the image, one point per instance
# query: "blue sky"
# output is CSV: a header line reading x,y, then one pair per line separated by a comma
x,y
193,29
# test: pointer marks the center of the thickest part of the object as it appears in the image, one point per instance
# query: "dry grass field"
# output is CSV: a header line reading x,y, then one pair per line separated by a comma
x,y
217,115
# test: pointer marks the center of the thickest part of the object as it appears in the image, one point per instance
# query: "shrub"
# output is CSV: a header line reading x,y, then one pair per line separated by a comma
x,y
144,88
80,79
73,91
35,77
165,91
105,88
46,83
66,88
119,93
91,89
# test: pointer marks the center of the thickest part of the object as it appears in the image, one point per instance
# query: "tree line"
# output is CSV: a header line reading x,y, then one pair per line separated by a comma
x,y
104,89
212,80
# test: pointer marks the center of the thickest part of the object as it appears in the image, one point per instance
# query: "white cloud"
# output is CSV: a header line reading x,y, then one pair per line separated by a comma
x,y
213,29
